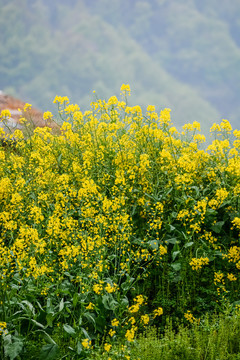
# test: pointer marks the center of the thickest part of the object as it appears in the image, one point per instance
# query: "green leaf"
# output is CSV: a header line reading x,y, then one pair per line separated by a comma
x,y
105,302
12,346
210,212
75,299
170,227
188,244
59,159
175,254
15,287
68,310
47,337
172,241
176,266
50,309
124,302
79,348
29,305
50,318
49,352
85,333
218,227
108,302
153,244
128,283
40,306
69,329
61,305
90,318
38,324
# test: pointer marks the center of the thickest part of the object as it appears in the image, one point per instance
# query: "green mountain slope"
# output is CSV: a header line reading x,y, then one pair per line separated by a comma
x,y
176,54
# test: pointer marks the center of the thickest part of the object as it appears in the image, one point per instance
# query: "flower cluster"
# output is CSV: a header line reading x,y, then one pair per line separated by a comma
x,y
189,316
197,264
116,208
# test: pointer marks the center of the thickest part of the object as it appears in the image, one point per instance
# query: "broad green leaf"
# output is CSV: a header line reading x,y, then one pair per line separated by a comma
x,y
188,244
61,305
15,287
124,301
68,310
172,241
29,305
169,227
38,324
90,318
85,333
75,299
69,329
108,302
175,254
59,159
49,352
210,211
217,227
153,244
12,346
176,266
50,318
50,309
128,283
47,337
40,306
79,348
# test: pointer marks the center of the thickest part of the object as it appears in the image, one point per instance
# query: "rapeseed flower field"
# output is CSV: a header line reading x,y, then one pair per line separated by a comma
x,y
111,224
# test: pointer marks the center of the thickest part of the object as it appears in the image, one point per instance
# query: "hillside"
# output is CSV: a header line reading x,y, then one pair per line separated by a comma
x,y
179,54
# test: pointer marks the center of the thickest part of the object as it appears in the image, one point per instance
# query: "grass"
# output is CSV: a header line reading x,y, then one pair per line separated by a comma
x,y
215,338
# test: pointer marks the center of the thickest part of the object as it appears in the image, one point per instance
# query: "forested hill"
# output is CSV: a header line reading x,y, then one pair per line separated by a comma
x,y
181,54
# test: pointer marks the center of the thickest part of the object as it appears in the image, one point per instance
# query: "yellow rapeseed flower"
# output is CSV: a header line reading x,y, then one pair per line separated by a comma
x,y
47,115
225,125
115,322
218,278
90,306
112,100
112,332
151,108
107,347
189,316
3,326
86,343
157,312
110,289
27,107
70,109
215,127
5,114
236,222
197,263
134,308
125,88
231,277
61,100
130,334
145,319
97,288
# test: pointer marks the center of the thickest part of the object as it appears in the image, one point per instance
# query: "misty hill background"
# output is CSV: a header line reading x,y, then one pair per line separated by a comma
x,y
182,54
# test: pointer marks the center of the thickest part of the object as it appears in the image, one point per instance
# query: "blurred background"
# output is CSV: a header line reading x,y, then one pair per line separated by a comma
x,y
180,54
